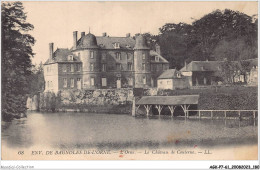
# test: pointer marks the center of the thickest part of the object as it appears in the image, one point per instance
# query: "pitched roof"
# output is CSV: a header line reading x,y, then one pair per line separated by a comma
x,y
169,74
202,66
214,65
61,55
161,58
169,100
107,42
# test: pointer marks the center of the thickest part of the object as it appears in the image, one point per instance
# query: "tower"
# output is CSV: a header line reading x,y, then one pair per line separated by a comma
x,y
142,70
88,51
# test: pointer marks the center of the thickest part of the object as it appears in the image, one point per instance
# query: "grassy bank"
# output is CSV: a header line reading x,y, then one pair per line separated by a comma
x,y
222,98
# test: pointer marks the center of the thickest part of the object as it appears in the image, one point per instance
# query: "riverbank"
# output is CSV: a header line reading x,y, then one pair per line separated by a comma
x,y
119,101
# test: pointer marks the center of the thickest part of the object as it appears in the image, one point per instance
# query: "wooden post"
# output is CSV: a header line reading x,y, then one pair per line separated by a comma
x,y
254,114
133,107
239,114
184,109
159,108
199,114
172,109
187,111
211,114
225,112
147,108
137,108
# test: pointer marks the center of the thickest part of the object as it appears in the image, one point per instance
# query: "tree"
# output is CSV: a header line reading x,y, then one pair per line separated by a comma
x,y
36,80
16,59
174,41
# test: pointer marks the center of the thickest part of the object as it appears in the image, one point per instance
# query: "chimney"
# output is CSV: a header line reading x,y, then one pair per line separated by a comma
x,y
82,34
51,50
75,39
128,35
104,34
158,49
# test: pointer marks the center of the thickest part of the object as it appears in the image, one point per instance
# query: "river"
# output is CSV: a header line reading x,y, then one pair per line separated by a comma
x,y
90,130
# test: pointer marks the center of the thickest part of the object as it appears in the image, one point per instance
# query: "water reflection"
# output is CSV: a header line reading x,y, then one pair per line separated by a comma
x,y
85,130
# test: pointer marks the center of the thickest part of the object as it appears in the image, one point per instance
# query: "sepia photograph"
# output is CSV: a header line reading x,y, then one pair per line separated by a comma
x,y
110,80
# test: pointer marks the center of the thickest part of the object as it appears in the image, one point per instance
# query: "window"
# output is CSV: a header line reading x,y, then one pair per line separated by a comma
x,y
143,66
157,58
71,68
130,82
78,67
128,56
118,67
79,83
79,55
71,82
143,56
91,54
104,82
103,57
178,75
129,66
118,56
202,68
91,67
144,80
64,68
92,81
116,45
70,58
64,82
104,67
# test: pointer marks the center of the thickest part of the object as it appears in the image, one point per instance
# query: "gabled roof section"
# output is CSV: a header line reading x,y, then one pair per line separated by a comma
x,y
153,54
202,66
125,43
169,74
61,55
169,100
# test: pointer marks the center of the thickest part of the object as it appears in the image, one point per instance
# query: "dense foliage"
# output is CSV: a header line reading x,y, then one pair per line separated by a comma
x,y
16,59
219,35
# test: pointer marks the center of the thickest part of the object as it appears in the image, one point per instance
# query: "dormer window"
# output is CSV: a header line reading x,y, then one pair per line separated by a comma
x,y
70,58
157,58
116,45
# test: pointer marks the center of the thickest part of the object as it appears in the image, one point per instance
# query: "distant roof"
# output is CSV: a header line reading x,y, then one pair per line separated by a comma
x,y
202,66
61,55
169,100
161,58
107,42
169,74
214,65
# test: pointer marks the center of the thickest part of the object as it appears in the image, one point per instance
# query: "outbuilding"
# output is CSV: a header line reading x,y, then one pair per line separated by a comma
x,y
172,79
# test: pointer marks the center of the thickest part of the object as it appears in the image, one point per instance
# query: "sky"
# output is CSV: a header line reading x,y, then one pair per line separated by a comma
x,y
56,21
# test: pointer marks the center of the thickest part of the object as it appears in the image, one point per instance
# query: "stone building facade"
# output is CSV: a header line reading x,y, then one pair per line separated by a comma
x,y
104,62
